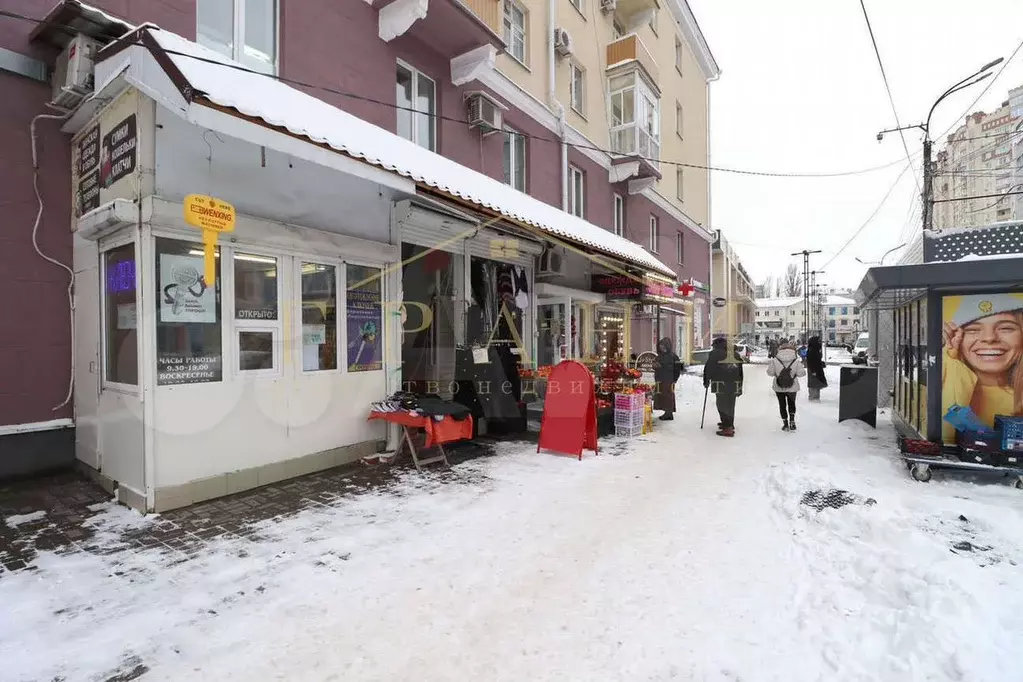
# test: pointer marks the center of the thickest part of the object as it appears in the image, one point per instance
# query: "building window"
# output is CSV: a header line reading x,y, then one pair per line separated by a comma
x,y
679,183
120,312
416,97
679,130
319,317
578,84
244,30
617,29
188,319
653,21
578,4
635,118
653,234
515,159
678,55
831,311
576,192
619,215
845,310
680,250
256,311
843,322
515,30
364,318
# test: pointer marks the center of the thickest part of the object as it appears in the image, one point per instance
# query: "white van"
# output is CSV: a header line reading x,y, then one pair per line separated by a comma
x,y
861,349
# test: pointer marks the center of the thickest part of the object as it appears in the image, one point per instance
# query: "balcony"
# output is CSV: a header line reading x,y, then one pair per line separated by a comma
x,y
451,27
630,8
630,50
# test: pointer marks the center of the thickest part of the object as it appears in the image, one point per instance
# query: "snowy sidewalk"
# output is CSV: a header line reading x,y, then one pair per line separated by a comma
x,y
689,557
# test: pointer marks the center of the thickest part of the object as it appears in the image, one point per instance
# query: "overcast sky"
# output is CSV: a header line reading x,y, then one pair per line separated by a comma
x,y
801,91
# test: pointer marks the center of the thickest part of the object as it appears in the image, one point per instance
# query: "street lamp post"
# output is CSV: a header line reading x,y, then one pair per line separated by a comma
x,y
928,187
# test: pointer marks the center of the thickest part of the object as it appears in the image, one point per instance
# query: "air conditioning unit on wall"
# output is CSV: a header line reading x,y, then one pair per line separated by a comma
x,y
552,263
608,6
485,112
562,42
74,74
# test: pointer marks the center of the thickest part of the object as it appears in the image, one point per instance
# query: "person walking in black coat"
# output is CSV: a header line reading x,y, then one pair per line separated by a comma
x,y
772,348
816,380
723,375
667,369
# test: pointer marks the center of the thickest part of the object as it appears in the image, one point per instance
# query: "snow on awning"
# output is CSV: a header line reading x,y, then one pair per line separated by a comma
x,y
207,75
69,17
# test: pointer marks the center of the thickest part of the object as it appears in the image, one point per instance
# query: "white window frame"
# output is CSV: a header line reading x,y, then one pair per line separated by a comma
x,y
577,77
618,214
274,327
653,20
432,115
512,138
680,183
678,55
238,36
340,315
106,384
635,137
511,30
679,121
655,229
576,197
579,6
680,250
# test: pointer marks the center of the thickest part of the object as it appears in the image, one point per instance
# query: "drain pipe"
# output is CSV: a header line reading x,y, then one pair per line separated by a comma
x,y
552,97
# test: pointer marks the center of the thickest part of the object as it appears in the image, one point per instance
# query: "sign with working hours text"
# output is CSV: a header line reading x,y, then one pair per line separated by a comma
x,y
629,288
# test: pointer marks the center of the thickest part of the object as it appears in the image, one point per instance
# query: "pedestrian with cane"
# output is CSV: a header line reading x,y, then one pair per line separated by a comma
x,y
723,376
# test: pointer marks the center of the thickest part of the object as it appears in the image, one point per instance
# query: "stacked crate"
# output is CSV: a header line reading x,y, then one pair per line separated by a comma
x,y
630,410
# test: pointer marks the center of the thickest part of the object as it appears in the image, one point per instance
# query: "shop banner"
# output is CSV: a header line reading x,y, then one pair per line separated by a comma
x,y
173,370
118,152
630,288
363,319
982,360
88,171
184,296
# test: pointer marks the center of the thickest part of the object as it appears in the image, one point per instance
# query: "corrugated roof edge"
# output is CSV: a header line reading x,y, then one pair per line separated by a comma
x,y
152,38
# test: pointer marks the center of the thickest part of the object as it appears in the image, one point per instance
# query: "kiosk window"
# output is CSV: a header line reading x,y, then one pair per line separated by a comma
x,y
319,317
255,287
363,318
120,342
255,350
188,319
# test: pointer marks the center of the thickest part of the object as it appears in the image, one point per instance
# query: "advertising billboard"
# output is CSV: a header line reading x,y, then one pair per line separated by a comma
x,y
982,360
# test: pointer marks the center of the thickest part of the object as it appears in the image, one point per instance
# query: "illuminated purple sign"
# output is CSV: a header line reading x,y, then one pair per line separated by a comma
x,y
121,277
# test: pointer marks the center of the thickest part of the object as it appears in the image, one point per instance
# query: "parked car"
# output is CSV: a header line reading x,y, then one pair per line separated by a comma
x,y
861,349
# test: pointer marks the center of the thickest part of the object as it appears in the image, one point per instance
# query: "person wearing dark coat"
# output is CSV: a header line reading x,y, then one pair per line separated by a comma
x,y
772,348
816,380
723,375
667,369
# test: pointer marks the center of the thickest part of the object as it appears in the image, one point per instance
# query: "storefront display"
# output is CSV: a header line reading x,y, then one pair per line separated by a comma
x,y
363,318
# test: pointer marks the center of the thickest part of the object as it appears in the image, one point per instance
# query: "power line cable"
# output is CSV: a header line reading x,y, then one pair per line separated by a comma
x,y
888,89
986,88
436,116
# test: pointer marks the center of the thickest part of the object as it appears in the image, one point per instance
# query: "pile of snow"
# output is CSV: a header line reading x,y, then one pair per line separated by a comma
x,y
21,519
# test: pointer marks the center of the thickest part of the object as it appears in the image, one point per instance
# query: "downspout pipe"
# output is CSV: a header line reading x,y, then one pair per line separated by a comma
x,y
552,97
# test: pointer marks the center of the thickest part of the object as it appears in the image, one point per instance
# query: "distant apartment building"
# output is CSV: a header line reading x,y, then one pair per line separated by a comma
x,y
779,318
841,320
981,159
732,291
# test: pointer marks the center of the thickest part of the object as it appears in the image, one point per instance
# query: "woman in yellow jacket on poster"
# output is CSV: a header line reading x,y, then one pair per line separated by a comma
x,y
982,339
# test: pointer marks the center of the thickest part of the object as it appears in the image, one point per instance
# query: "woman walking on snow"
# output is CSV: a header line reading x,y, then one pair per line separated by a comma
x,y
786,368
816,380
667,369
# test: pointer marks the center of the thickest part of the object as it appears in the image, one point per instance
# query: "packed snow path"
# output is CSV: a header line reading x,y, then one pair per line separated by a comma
x,y
686,557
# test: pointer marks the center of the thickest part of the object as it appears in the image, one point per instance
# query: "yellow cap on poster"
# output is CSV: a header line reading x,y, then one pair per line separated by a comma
x,y
212,216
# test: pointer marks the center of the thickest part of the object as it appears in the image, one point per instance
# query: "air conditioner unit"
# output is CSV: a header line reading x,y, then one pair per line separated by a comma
x,y
74,75
608,6
562,42
485,112
552,263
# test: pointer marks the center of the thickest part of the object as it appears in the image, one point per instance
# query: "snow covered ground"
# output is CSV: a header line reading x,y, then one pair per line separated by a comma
x,y
686,556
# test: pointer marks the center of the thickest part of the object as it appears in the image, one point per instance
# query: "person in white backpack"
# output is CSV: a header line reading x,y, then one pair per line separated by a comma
x,y
786,367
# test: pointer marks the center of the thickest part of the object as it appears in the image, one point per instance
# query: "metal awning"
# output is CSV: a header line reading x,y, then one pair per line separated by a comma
x,y
69,17
885,288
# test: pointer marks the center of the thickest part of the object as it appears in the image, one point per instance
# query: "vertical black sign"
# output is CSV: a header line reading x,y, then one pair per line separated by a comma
x,y
118,152
88,171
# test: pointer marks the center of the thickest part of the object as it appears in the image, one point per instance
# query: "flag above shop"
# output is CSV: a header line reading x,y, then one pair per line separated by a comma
x,y
205,79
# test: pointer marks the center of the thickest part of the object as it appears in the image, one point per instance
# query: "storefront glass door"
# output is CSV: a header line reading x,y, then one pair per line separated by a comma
x,y
553,331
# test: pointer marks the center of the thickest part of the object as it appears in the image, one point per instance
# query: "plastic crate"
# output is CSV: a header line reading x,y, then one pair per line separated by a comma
x,y
1012,433
629,431
629,417
629,401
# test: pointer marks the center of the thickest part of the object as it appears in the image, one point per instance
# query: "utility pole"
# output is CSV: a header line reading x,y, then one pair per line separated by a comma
x,y
817,326
805,253
927,192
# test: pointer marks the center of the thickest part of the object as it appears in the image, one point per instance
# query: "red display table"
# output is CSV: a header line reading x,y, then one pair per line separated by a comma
x,y
448,430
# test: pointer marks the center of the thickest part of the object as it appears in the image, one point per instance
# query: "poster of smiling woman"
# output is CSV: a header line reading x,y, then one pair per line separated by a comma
x,y
982,363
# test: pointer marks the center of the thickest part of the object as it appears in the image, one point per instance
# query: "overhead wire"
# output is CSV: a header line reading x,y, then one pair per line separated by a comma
x,y
437,116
